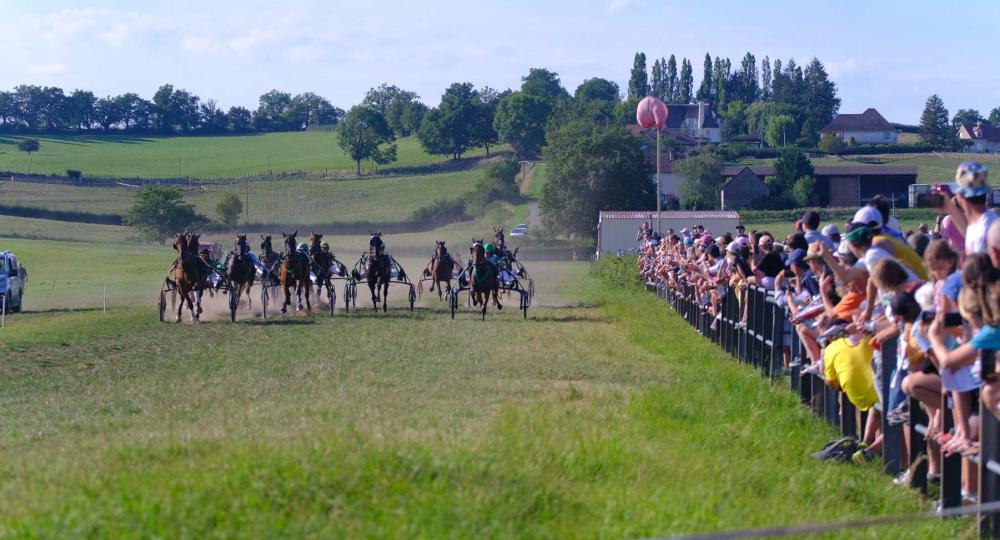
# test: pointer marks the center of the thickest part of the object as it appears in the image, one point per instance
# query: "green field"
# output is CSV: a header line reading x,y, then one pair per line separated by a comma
x,y
931,169
604,417
199,157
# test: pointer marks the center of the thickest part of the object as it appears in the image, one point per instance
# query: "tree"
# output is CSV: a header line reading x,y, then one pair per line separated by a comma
x,y
701,180
779,130
107,112
413,117
747,80
671,83
240,119
638,83
735,116
934,126
544,84
791,166
364,134
452,129
597,100
765,79
520,121
721,81
966,116
380,98
589,168
29,146
804,191
686,87
658,87
308,109
821,101
229,209
79,109
270,113
160,211
213,119
485,110
396,111
831,144
706,89
995,116
597,89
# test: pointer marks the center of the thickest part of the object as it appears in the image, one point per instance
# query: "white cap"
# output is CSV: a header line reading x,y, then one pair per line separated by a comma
x,y
830,230
869,216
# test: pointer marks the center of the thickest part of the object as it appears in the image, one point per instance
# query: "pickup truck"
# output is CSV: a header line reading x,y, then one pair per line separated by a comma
x,y
12,280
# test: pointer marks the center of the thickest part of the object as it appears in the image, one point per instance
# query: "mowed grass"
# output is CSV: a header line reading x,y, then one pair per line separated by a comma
x,y
378,199
149,156
606,418
931,169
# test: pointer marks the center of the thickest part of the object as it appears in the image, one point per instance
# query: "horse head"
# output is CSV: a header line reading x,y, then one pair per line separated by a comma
x,y
180,243
290,245
375,244
265,245
477,252
241,247
314,242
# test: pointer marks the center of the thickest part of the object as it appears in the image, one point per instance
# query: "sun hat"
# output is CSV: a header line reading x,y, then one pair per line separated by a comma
x,y
843,250
868,215
830,230
970,180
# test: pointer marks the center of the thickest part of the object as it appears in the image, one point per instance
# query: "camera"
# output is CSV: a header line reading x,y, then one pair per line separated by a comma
x,y
950,319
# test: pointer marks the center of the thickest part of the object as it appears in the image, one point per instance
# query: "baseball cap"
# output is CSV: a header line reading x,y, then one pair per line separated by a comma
x,y
830,230
868,215
970,180
797,256
706,239
685,230
857,231
733,247
813,252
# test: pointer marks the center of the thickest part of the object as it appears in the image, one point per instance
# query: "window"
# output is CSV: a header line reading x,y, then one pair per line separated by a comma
x,y
3,264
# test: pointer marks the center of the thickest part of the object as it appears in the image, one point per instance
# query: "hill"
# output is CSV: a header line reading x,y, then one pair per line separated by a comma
x,y
150,156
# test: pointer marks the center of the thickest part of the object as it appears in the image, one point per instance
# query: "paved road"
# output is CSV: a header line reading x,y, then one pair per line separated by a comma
x,y
534,217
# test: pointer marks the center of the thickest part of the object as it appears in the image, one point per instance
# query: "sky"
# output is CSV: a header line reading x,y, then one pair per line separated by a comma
x,y
886,54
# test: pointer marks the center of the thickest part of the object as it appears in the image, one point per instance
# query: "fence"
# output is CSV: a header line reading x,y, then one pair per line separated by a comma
x,y
761,344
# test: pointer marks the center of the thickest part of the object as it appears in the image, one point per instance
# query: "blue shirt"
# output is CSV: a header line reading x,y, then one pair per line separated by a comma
x,y
988,338
816,236
952,285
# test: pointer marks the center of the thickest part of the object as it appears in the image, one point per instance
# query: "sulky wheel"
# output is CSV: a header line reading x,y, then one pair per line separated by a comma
x,y
347,297
331,297
162,305
413,297
524,304
453,302
234,302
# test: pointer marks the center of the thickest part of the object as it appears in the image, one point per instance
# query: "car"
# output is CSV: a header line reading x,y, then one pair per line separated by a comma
x,y
520,230
12,281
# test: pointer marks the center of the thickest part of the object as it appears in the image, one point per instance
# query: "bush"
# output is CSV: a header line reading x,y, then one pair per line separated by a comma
x,y
620,271
74,174
498,183
831,144
441,212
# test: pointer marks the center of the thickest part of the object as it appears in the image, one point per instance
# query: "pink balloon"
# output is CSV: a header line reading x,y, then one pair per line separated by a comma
x,y
651,112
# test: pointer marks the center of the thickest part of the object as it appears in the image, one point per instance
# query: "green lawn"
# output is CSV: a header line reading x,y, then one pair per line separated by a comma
x,y
150,156
385,199
930,169
607,417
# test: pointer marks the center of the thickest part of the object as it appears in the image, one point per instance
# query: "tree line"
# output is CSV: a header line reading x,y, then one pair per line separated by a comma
x,y
781,101
936,129
171,110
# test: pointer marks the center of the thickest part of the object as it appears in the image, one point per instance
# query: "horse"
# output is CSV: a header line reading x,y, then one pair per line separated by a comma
x,y
441,268
269,259
187,273
205,270
483,279
294,272
377,271
240,269
321,261
499,241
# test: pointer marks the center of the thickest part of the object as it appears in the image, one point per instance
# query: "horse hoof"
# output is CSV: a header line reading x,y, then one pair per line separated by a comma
x,y
178,319
499,307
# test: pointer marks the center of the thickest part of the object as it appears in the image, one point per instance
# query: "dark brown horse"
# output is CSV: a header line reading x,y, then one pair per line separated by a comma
x,y
187,274
321,263
483,279
294,272
270,260
378,271
441,268
240,269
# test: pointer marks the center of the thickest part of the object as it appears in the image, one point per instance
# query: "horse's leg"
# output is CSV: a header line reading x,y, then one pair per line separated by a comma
x,y
385,295
496,299
372,286
288,296
309,294
180,305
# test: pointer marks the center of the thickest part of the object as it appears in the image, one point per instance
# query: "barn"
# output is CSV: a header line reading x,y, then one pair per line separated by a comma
x,y
616,229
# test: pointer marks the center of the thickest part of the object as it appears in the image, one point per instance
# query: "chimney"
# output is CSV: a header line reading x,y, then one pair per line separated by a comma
x,y
701,115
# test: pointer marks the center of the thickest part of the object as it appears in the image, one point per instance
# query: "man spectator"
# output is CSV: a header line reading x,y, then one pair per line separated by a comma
x,y
810,227
968,208
833,233
741,231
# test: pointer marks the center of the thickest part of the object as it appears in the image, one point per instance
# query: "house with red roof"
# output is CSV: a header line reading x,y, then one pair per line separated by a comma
x,y
869,127
982,136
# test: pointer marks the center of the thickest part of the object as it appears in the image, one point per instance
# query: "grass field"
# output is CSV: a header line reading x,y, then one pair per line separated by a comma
x,y
930,169
606,417
199,157
286,201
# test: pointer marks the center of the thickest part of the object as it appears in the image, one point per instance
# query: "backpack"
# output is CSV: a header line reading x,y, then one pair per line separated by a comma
x,y
838,450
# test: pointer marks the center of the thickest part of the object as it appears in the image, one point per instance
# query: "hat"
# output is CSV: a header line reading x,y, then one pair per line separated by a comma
x,y
842,250
489,248
706,239
303,247
830,230
733,247
741,226
970,180
813,252
685,230
324,244
797,256
858,231
868,215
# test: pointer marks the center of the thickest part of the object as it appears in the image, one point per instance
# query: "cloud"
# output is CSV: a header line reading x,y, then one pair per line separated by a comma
x,y
841,67
48,69
617,5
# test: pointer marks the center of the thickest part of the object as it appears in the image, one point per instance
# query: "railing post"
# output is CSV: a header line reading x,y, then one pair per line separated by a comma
x,y
891,435
951,466
848,417
918,447
989,460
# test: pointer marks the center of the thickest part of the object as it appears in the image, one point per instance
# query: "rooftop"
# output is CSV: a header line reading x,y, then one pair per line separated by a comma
x,y
870,120
668,214
830,170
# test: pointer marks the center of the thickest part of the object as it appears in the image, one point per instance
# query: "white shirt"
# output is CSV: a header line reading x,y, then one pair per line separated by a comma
x,y
975,233
876,254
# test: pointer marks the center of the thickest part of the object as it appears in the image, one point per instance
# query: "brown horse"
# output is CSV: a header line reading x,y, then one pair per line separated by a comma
x,y
187,274
483,278
441,268
378,271
295,274
240,269
321,263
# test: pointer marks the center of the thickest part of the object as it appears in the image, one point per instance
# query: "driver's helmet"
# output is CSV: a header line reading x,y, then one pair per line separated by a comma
x,y
303,247
324,245
205,252
489,248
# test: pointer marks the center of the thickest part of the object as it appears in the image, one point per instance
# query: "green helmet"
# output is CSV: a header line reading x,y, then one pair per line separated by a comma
x,y
303,247
490,248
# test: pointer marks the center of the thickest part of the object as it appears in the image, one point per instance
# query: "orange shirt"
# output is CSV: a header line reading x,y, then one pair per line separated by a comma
x,y
848,305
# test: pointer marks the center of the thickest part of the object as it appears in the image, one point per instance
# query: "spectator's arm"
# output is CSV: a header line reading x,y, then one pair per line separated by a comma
x,y
956,213
962,356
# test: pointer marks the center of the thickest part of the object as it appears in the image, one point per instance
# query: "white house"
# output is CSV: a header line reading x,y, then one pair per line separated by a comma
x,y
985,138
869,127
616,230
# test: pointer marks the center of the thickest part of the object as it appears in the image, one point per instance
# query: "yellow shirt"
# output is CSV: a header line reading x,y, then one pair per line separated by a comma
x,y
903,253
851,367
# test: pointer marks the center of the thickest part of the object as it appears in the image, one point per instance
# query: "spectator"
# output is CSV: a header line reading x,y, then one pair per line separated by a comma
x,y
967,208
833,233
810,227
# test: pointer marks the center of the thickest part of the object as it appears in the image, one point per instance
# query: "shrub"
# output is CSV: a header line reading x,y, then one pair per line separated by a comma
x,y
74,173
440,212
831,144
617,270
